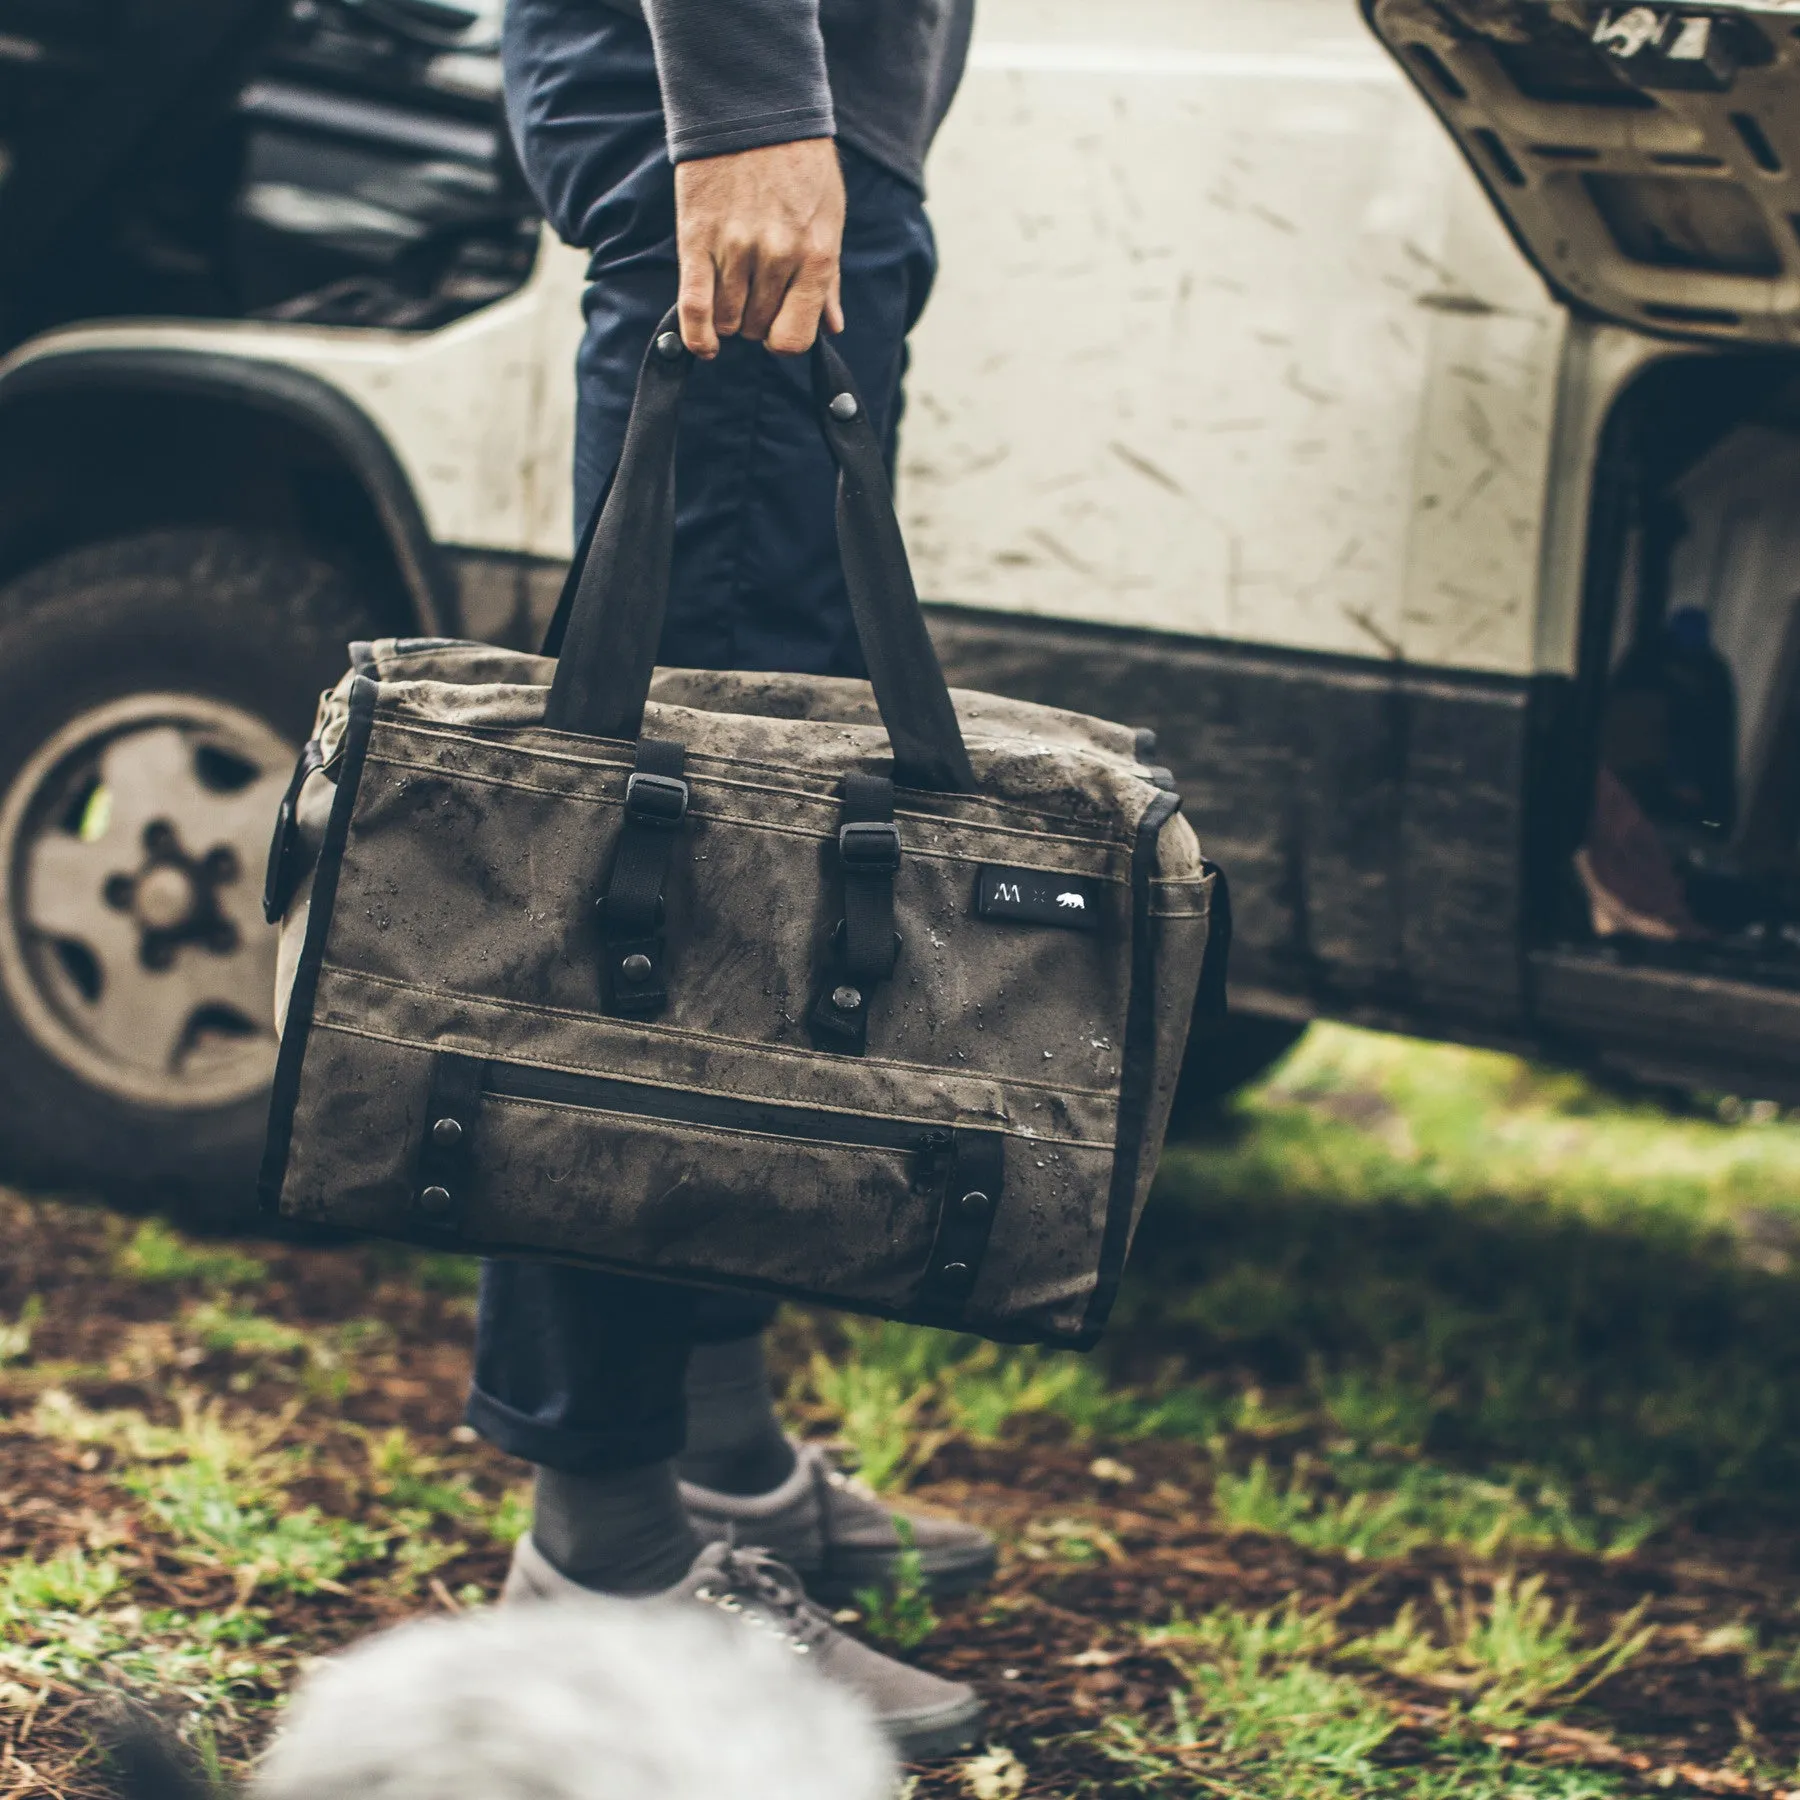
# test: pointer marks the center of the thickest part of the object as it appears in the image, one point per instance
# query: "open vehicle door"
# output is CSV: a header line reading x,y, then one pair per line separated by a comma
x,y
1647,158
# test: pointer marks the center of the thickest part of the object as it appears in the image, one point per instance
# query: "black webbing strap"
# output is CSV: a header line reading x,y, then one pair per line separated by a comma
x,y
610,618
865,946
971,1198
633,981
445,1165
282,875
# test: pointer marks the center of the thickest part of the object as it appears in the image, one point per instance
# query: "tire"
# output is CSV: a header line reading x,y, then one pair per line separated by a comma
x,y
154,691
1220,1061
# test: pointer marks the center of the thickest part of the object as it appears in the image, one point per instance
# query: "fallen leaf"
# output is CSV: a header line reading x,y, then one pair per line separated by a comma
x,y
999,1775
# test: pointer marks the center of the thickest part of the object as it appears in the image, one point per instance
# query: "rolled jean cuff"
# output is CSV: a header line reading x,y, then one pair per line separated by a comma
x,y
575,1452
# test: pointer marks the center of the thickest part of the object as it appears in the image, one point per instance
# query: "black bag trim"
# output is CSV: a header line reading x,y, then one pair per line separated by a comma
x,y
304,995
633,951
445,1163
1212,1001
865,946
1138,1068
282,874
971,1202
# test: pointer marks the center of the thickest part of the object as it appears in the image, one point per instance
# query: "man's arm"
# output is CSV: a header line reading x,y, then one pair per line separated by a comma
x,y
759,196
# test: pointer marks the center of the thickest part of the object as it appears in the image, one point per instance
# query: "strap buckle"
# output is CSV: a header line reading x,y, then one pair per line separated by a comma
x,y
870,844
656,799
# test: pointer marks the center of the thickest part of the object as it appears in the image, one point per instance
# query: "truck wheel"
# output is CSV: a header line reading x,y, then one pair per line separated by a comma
x,y
1222,1060
154,692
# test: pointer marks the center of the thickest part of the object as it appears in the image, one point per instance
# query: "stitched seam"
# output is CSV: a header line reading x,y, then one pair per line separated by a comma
x,y
704,1037
750,824
969,1122
733,1133
481,737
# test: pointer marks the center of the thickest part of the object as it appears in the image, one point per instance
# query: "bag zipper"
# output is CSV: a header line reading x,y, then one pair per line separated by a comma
x,y
636,1099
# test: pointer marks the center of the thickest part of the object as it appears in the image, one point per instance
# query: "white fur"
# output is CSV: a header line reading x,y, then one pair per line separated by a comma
x,y
577,1700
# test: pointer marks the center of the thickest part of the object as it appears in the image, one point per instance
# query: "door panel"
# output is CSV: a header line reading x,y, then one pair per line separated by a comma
x,y
1226,343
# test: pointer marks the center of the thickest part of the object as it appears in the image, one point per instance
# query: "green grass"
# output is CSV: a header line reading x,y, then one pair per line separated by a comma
x,y
1528,1312
155,1253
1373,1507
215,1489
1268,1702
1459,1257
16,1333
56,1622
231,1331
901,1615
1258,1699
220,1520
1514,1653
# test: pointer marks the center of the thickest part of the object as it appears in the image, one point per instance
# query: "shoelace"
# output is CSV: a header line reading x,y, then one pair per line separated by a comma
x,y
752,1584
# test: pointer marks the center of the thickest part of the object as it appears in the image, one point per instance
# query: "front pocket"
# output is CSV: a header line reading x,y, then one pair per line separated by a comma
x,y
876,1211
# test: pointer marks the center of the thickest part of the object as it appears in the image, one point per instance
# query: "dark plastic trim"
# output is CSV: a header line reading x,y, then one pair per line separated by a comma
x,y
291,1058
269,387
1136,1076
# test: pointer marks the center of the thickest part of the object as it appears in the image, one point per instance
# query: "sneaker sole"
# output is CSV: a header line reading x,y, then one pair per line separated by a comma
x,y
928,1739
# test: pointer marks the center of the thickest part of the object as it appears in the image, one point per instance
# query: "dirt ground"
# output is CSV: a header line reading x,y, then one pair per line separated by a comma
x,y
127,1327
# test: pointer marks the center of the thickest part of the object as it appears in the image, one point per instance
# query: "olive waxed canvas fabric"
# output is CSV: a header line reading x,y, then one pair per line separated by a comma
x,y
463,919
862,992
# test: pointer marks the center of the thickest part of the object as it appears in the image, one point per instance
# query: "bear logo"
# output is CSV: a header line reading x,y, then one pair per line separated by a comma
x,y
1076,902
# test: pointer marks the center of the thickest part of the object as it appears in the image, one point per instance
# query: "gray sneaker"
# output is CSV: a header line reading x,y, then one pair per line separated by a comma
x,y
923,1715
839,1535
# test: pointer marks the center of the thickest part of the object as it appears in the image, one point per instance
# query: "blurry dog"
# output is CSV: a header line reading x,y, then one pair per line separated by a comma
x,y
600,1701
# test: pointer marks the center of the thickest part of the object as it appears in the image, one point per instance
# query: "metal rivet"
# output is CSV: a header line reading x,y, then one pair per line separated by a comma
x,y
447,1133
975,1203
435,1200
846,999
956,1269
842,406
636,968
668,345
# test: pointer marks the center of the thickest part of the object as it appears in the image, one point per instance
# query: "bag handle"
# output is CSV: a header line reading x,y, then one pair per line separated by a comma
x,y
619,591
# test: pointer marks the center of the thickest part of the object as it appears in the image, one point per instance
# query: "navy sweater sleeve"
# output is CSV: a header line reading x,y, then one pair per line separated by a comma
x,y
739,74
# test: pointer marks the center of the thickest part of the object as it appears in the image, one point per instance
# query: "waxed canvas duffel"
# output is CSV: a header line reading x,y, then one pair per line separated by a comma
x,y
860,992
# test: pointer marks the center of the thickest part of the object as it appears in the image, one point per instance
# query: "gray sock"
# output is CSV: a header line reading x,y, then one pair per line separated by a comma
x,y
735,1444
625,1533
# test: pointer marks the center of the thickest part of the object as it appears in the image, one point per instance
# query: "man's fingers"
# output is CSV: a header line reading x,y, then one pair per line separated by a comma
x,y
736,269
796,323
776,267
834,301
694,305
759,233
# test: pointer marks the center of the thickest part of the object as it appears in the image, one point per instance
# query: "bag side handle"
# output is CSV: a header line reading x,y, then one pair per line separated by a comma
x,y
617,596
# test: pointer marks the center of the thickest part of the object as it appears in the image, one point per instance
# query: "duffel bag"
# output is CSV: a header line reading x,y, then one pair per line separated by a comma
x,y
859,992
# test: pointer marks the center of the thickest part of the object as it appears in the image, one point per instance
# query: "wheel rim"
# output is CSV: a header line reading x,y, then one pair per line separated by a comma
x,y
132,944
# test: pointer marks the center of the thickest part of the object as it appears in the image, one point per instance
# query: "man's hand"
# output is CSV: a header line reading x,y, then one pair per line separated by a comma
x,y
759,234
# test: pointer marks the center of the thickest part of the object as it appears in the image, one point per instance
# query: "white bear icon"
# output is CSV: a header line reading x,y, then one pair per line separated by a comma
x,y
1076,902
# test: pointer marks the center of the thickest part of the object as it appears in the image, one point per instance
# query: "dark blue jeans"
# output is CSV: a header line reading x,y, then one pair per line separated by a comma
x,y
573,1369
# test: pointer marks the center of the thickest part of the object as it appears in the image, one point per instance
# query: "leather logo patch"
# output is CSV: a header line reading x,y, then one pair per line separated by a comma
x,y
1041,897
